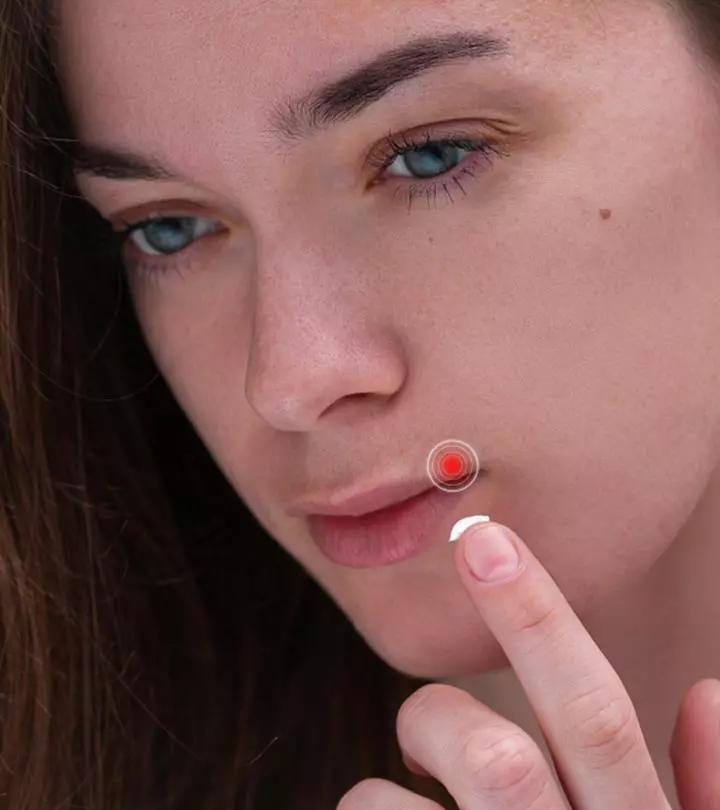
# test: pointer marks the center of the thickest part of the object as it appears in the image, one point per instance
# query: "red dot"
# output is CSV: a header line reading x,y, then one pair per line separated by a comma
x,y
452,465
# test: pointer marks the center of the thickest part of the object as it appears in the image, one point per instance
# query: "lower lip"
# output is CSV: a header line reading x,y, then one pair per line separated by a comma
x,y
389,535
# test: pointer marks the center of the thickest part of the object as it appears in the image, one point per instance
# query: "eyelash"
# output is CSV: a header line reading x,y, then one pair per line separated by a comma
x,y
381,159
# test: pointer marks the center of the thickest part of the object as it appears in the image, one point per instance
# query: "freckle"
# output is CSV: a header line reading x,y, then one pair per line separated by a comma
x,y
605,213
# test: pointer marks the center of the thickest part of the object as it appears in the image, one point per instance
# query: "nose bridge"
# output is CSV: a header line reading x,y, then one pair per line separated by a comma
x,y
300,310
303,268
315,334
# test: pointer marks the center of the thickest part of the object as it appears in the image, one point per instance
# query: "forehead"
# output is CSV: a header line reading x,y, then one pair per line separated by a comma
x,y
128,56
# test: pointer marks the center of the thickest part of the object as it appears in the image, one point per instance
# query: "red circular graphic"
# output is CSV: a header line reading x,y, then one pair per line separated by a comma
x,y
452,465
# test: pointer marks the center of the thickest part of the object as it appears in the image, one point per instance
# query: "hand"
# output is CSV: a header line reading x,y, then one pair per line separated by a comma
x,y
586,715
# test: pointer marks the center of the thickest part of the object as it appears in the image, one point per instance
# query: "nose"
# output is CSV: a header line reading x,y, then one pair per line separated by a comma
x,y
320,346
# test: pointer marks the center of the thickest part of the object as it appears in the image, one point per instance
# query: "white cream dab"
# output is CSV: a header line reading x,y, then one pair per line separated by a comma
x,y
464,523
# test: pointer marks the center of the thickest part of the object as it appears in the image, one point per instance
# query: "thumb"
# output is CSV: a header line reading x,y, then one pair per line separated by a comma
x,y
695,747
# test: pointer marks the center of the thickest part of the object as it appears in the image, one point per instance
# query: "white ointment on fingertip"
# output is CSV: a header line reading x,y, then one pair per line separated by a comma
x,y
464,523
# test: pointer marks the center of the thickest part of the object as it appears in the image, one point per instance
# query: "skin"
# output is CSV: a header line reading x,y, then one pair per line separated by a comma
x,y
562,316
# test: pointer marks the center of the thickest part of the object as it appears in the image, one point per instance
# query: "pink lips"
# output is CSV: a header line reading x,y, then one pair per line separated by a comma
x,y
360,503
387,535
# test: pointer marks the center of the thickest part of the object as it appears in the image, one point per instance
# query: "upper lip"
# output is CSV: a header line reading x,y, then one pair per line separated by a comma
x,y
358,501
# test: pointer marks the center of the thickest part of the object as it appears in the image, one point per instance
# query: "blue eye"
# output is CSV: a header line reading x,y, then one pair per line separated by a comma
x,y
167,237
164,236
429,164
429,160
430,157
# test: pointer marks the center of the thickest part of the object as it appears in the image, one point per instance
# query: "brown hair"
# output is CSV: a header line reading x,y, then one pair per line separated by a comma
x,y
158,649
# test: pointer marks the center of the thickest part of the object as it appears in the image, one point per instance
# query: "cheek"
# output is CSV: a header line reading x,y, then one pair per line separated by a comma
x,y
202,361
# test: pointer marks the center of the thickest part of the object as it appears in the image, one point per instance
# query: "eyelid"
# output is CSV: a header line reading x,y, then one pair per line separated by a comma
x,y
160,216
158,209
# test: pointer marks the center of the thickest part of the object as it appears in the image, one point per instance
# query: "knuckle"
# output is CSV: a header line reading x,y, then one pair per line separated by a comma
x,y
603,726
361,795
535,612
506,762
531,621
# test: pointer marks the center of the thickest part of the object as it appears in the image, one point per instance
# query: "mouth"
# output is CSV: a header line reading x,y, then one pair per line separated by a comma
x,y
398,530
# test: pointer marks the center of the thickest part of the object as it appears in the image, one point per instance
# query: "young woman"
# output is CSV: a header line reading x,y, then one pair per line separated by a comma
x,y
257,258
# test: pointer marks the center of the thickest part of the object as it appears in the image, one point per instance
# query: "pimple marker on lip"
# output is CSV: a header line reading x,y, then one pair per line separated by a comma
x,y
464,523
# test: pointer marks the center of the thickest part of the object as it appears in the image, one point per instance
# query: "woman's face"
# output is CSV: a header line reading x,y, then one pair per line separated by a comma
x,y
325,322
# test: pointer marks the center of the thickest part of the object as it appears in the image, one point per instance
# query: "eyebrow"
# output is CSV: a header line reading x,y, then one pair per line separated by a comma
x,y
299,118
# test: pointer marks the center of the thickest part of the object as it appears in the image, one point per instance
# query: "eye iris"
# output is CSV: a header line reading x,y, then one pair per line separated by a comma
x,y
432,159
178,235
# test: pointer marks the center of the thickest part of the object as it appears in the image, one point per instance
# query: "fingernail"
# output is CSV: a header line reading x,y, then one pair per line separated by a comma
x,y
491,554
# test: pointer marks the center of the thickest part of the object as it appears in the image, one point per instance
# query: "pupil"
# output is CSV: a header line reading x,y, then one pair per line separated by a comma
x,y
173,239
432,159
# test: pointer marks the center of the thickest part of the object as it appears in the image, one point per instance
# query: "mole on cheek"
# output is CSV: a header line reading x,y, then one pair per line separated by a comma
x,y
605,213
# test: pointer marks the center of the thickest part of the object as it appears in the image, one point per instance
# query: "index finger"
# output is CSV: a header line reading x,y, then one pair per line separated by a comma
x,y
582,707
